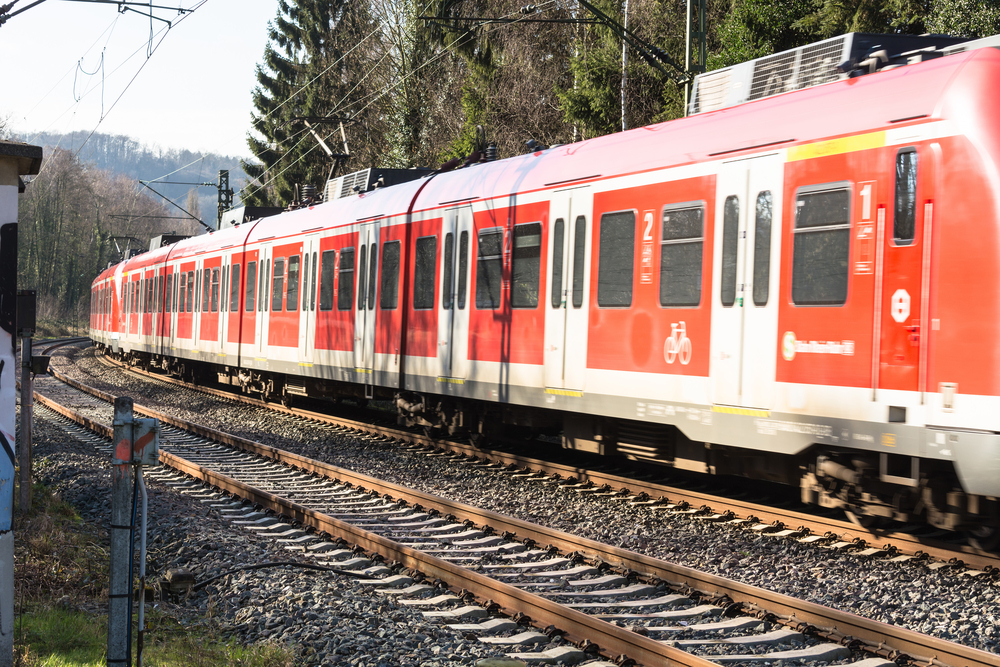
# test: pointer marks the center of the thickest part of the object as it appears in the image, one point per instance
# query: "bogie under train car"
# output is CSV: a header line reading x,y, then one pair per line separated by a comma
x,y
803,289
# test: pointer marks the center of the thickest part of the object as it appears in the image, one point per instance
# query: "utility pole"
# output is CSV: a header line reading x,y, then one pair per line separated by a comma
x,y
26,329
694,33
225,195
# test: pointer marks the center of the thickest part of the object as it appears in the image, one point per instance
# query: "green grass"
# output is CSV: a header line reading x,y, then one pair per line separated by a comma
x,y
61,598
51,637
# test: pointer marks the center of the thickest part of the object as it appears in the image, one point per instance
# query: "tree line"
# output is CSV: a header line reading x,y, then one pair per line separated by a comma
x,y
75,220
410,80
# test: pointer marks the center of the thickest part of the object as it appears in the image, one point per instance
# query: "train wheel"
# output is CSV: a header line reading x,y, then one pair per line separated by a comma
x,y
986,538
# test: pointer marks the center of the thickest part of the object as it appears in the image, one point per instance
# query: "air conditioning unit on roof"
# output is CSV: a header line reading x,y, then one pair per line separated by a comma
x,y
807,66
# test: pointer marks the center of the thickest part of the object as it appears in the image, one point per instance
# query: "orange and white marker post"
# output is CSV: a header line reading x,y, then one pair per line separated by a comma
x,y
136,443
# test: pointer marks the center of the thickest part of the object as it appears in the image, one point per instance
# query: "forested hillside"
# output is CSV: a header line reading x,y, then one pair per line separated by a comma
x,y
126,156
412,79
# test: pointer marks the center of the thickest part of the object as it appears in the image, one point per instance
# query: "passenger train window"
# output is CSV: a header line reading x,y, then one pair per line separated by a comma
x,y
267,282
292,294
558,234
149,295
463,268
389,290
681,255
305,281
904,219
425,265
278,285
168,291
234,289
372,265
223,289
362,276
251,287
489,269
616,265
730,245
312,289
135,297
579,255
215,290
345,282
197,290
190,291
762,249
821,246
448,276
206,289
525,265
326,279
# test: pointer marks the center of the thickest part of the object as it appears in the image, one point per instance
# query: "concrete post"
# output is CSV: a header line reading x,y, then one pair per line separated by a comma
x,y
27,408
120,584
16,160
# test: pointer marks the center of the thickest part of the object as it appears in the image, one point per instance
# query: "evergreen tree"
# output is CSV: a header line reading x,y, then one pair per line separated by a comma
x,y
314,67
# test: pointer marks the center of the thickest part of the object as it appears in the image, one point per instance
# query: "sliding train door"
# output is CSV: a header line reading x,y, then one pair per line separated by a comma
x,y
453,309
745,283
566,325
365,305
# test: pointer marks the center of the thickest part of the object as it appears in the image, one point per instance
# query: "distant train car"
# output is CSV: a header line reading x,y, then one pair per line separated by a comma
x,y
803,289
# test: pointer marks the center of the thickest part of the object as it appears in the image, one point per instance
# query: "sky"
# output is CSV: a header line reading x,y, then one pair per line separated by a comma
x,y
193,93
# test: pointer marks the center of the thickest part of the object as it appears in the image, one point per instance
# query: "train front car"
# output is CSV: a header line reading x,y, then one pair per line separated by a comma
x,y
883,395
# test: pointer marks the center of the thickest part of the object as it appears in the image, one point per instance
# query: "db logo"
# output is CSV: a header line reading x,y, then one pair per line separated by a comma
x,y
788,346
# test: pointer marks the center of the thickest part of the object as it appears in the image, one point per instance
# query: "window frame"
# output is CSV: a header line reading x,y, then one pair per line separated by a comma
x,y
849,187
684,206
900,242
346,305
755,290
384,282
292,287
480,258
600,263
431,274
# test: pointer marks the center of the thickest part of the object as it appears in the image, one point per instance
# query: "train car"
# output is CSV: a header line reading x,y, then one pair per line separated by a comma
x,y
801,289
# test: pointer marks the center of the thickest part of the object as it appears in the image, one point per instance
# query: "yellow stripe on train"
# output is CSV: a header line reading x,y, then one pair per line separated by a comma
x,y
858,142
741,411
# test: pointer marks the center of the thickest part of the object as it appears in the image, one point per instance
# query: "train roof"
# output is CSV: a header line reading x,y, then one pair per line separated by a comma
x,y
912,93
890,98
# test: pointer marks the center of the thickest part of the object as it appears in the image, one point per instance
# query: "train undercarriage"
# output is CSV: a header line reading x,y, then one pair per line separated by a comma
x,y
873,489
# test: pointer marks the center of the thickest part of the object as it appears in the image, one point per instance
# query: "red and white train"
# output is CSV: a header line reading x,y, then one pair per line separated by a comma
x,y
803,288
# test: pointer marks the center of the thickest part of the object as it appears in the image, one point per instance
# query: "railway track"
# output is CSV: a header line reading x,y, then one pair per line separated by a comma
x,y
900,545
581,589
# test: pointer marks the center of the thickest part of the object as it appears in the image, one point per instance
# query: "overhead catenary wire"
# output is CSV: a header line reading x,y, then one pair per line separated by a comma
x,y
104,114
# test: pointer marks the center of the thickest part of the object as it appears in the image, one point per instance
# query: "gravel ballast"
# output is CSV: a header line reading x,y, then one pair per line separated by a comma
x,y
965,610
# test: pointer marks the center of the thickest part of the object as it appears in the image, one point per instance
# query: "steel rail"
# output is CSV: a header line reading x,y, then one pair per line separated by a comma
x,y
818,525
844,626
575,626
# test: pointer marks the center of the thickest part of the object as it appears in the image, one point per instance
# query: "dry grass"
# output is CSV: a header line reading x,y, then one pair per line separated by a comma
x,y
61,598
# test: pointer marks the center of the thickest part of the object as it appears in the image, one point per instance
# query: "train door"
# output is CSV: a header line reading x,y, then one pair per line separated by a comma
x,y
905,269
744,297
263,298
365,306
566,325
307,324
453,309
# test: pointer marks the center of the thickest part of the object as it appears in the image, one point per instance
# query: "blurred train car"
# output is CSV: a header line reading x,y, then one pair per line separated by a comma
x,y
797,283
